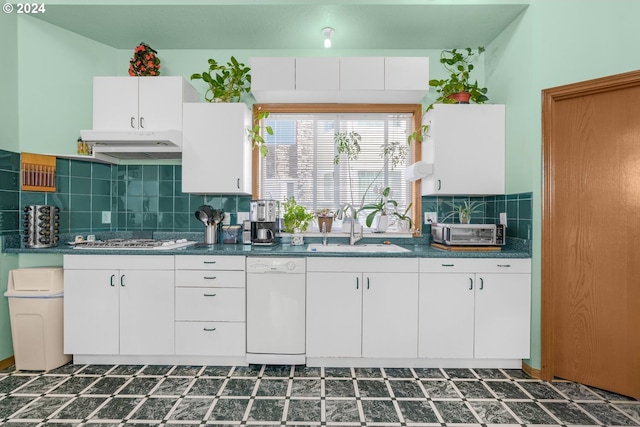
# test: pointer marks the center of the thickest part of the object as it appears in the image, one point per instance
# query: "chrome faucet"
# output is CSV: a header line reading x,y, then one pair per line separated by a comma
x,y
324,234
353,239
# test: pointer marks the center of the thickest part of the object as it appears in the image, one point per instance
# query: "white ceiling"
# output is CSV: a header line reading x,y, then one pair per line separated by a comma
x,y
286,24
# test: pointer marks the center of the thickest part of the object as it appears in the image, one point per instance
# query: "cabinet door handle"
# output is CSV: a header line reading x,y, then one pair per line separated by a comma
x,y
122,280
367,283
209,277
470,284
504,265
111,280
238,183
209,295
439,185
141,122
209,329
209,262
132,122
357,283
447,265
481,283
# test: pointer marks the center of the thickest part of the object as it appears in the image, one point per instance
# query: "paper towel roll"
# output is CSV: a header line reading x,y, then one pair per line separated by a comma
x,y
418,170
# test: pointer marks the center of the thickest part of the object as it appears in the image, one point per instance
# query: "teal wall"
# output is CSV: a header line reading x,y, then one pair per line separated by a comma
x,y
9,137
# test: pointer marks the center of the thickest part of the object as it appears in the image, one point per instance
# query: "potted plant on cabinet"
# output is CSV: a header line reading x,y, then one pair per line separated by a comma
x,y
458,88
227,83
296,220
325,219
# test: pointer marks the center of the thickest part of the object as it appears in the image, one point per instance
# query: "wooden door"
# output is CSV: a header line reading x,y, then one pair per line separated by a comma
x,y
591,233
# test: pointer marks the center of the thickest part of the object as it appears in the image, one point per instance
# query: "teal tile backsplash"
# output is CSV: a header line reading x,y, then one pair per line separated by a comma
x,y
518,207
149,197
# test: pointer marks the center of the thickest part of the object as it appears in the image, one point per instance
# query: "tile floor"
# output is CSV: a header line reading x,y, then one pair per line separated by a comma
x,y
137,396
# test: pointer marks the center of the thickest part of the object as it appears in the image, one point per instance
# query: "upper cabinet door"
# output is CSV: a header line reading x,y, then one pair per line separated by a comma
x,y
160,103
115,103
318,74
362,73
466,144
273,73
406,73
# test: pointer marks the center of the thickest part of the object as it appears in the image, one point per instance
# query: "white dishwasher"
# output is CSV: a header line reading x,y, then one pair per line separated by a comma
x,y
276,289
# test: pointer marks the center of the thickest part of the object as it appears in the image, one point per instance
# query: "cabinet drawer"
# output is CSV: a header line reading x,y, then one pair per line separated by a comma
x,y
210,278
477,265
121,262
210,304
210,262
210,338
358,265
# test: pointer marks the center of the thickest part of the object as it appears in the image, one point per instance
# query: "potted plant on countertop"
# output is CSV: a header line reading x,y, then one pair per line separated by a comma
x,y
464,211
296,220
379,209
405,223
228,83
458,88
325,219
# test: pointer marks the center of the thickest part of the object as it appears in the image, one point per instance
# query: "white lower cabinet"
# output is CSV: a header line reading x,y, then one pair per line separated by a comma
x,y
210,305
475,308
118,305
362,307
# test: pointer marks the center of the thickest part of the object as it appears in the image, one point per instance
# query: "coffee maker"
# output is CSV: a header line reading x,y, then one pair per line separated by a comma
x,y
264,219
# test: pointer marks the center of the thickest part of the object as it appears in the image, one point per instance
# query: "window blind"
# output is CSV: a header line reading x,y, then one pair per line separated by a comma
x,y
300,160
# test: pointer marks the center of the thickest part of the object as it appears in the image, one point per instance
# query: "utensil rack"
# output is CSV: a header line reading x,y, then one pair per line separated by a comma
x,y
38,172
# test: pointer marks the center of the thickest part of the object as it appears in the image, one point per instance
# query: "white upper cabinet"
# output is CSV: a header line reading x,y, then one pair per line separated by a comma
x,y
466,145
341,80
140,103
216,149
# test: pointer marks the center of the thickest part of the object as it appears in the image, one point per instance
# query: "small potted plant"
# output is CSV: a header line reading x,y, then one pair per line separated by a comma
x,y
325,219
464,211
227,82
458,88
405,223
380,209
144,61
296,220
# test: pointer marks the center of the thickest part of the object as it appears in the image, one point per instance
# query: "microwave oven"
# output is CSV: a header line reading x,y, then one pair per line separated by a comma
x,y
468,234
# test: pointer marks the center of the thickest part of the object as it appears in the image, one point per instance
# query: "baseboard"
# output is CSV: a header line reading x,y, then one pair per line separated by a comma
x,y
532,372
9,361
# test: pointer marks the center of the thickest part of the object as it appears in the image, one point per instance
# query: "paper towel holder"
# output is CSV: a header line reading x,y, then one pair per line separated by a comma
x,y
418,170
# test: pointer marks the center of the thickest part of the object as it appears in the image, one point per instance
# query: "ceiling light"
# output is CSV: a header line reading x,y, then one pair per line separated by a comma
x,y
328,32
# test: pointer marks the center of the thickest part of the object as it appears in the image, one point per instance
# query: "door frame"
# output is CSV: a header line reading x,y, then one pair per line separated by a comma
x,y
549,98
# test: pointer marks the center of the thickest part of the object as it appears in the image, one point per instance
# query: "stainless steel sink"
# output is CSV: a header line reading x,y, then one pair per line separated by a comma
x,y
339,247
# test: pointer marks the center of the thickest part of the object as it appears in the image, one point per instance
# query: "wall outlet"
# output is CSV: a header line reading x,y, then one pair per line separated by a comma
x,y
106,217
430,217
503,218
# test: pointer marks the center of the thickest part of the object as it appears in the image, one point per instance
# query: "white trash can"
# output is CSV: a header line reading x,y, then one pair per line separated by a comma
x,y
35,309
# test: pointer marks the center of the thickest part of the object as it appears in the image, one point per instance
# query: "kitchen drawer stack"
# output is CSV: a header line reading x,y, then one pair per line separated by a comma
x,y
210,306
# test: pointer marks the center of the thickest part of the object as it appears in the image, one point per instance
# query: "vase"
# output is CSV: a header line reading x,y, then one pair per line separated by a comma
x,y
403,225
297,239
383,223
465,218
461,97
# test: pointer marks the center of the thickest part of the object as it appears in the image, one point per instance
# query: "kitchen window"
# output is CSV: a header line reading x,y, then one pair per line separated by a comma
x,y
301,152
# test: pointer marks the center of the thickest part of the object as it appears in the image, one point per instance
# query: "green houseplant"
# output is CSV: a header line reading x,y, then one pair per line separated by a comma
x,y
296,218
464,211
227,82
380,207
404,218
458,62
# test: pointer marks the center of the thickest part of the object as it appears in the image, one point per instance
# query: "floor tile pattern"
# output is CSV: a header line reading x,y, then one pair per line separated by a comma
x,y
257,395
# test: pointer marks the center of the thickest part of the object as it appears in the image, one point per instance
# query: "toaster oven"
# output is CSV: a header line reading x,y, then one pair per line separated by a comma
x,y
468,234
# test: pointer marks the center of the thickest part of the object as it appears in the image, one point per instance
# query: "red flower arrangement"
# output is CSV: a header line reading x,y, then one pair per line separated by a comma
x,y
144,61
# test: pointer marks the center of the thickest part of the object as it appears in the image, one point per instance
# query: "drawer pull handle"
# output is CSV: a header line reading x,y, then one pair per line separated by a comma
x,y
448,265
357,283
209,329
470,284
367,283
210,277
209,262
209,295
504,265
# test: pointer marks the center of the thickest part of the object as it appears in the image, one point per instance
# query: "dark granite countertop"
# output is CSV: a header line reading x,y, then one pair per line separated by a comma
x,y
418,247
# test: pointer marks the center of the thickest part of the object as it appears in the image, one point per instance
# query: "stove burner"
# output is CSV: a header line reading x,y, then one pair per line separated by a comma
x,y
128,244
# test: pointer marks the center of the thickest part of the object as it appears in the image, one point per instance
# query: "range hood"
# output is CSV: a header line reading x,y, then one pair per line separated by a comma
x,y
135,144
